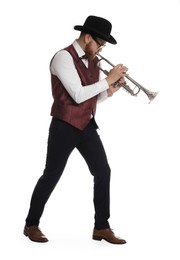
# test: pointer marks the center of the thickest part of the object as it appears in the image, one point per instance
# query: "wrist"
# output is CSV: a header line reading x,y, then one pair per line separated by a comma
x,y
110,93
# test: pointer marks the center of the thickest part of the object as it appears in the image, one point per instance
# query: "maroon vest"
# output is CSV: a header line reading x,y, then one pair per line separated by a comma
x,y
64,107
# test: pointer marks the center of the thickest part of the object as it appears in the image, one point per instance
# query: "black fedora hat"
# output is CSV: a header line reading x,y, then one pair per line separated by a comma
x,y
97,26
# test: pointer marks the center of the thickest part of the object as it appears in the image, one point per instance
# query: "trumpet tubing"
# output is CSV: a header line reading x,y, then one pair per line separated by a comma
x,y
150,94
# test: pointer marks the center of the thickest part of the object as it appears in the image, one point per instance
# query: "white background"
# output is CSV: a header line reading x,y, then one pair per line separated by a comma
x,y
141,140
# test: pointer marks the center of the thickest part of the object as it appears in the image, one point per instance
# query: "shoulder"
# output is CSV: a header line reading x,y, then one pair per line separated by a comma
x,y
61,56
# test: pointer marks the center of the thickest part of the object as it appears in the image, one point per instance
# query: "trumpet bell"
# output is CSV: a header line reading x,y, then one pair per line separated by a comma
x,y
151,95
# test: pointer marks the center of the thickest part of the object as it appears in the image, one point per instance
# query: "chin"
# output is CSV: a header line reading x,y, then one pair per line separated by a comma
x,y
91,57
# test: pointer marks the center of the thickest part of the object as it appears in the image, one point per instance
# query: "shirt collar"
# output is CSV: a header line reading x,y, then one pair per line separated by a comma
x,y
78,49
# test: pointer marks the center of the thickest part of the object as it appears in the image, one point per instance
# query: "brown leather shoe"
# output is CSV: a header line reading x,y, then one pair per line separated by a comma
x,y
35,234
108,235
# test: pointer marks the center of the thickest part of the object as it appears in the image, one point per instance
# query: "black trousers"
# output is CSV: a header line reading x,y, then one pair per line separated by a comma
x,y
63,138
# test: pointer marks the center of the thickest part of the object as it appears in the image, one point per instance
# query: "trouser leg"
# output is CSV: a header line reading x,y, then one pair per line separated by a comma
x,y
94,154
60,145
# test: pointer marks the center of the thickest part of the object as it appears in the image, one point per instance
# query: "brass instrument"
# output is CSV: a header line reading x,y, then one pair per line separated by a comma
x,y
151,95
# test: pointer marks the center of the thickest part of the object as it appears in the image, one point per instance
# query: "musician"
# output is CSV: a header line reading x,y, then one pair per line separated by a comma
x,y
76,89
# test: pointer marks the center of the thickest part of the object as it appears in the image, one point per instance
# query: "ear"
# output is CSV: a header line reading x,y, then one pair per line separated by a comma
x,y
87,38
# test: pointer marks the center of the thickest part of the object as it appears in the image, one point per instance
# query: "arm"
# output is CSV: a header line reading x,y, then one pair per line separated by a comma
x,y
63,67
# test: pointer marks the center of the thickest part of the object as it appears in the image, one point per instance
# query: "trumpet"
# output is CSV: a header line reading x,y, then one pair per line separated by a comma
x,y
150,94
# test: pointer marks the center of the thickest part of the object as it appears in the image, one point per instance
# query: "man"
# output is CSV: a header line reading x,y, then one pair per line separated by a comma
x,y
76,89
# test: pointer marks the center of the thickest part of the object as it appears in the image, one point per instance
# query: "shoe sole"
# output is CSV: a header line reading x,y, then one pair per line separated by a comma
x,y
100,238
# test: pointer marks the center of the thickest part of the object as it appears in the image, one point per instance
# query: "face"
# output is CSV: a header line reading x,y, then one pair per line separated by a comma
x,y
93,46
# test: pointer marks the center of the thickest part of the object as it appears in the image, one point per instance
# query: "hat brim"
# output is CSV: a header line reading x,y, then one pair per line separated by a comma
x,y
86,29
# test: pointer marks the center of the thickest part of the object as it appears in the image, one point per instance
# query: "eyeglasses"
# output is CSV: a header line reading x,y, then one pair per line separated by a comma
x,y
97,41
